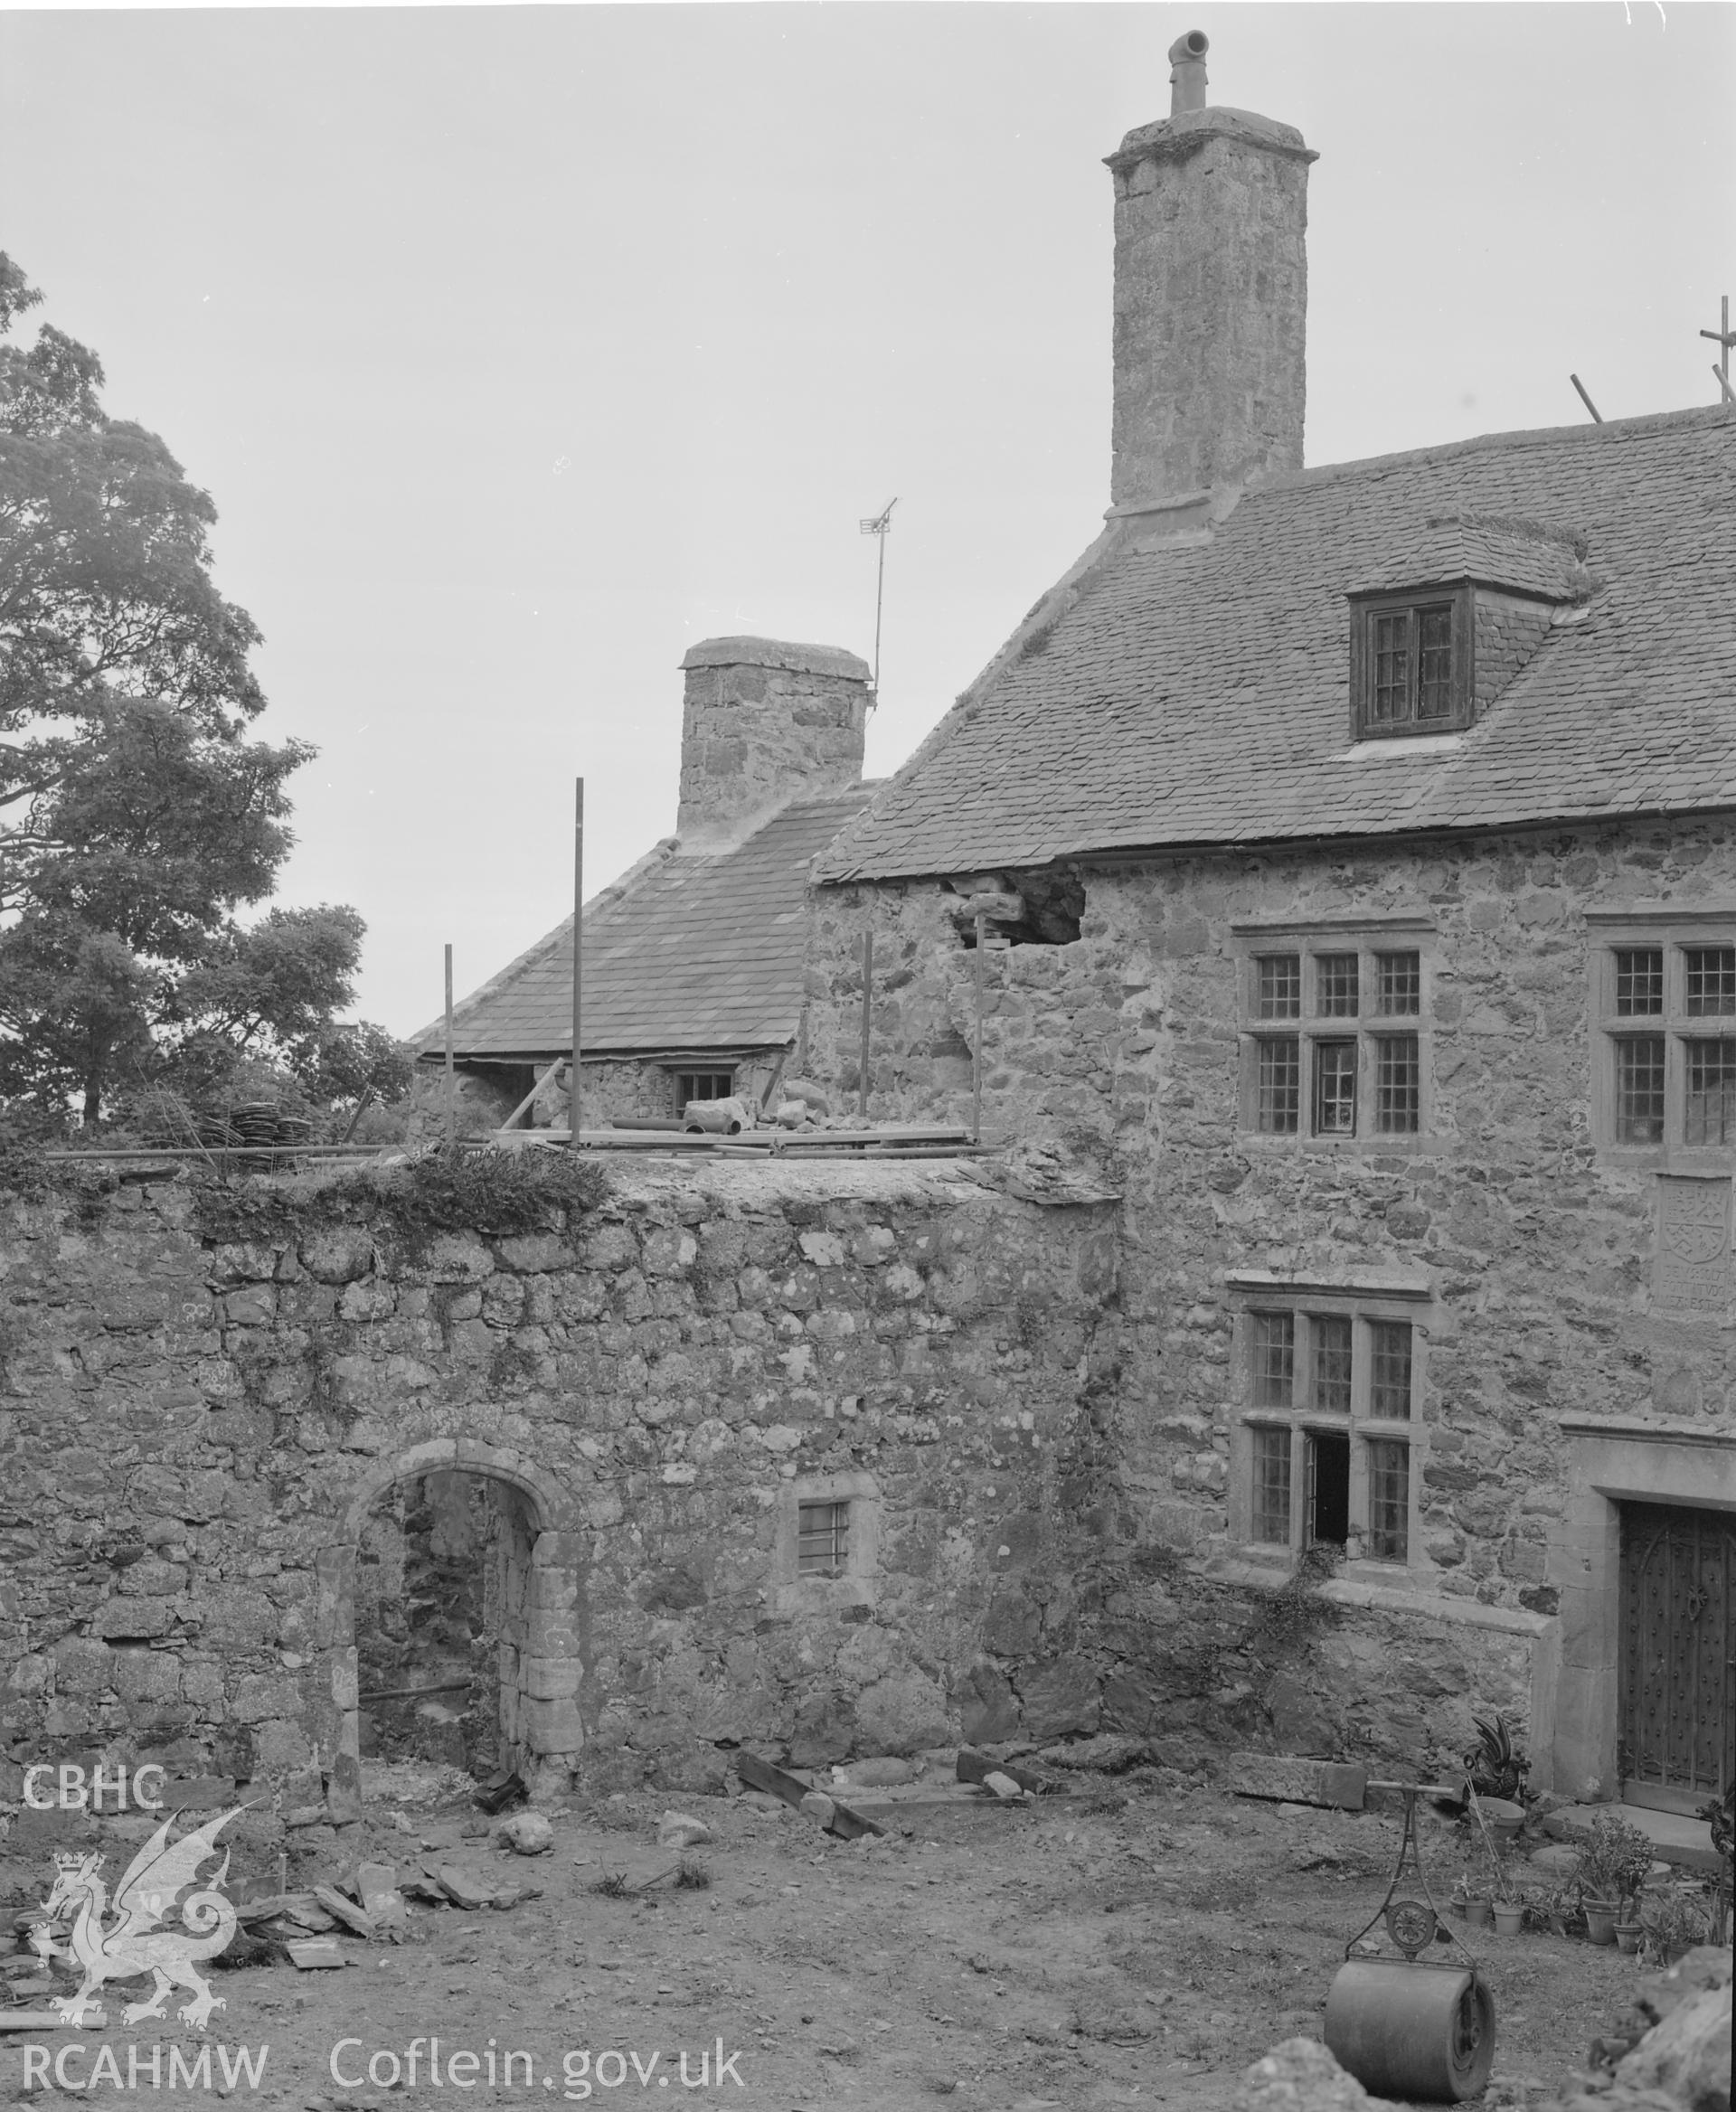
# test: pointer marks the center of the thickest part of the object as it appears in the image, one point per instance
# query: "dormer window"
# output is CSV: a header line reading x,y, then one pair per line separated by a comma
x,y
1411,662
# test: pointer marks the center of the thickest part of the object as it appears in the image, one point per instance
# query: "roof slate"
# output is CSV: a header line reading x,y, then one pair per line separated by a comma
x,y
693,951
1196,690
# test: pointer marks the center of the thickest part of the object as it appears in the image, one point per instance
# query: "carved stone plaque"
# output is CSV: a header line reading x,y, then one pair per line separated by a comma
x,y
1692,1267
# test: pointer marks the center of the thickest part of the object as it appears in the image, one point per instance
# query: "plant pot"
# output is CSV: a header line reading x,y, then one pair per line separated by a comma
x,y
1509,1916
1503,1818
1599,1922
1628,1935
1476,1913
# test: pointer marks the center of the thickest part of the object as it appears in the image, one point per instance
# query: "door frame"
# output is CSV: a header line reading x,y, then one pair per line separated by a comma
x,y
1612,1459
544,1723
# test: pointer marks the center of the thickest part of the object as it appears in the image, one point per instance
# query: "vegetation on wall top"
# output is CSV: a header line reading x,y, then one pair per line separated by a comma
x,y
456,1189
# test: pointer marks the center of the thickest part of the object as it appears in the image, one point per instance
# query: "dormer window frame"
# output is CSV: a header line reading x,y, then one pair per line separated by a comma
x,y
1370,661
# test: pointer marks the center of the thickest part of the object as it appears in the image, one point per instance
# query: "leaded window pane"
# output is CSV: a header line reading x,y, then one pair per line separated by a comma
x,y
1272,1491
1435,662
1390,645
1274,1359
1398,1085
1639,1089
1639,981
1279,1111
1334,1089
1710,1111
1389,1499
1330,1391
1389,1377
1398,983
1279,994
1336,985
1711,980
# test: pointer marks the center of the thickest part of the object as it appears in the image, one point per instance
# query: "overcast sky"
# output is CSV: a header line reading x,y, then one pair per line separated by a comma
x,y
521,348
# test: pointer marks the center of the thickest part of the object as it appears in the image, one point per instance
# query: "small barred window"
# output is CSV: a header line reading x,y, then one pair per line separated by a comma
x,y
822,1539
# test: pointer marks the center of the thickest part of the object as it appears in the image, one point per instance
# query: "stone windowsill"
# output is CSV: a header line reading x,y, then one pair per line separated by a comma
x,y
1369,1585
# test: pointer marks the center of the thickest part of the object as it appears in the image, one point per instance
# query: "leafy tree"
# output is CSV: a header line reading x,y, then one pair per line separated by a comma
x,y
136,817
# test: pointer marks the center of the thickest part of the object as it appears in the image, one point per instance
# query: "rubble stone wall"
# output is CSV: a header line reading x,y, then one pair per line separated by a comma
x,y
1533,1243
194,1427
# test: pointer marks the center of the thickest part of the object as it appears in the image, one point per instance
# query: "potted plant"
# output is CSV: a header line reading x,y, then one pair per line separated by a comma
x,y
1472,1904
1671,1920
1557,1907
1613,1862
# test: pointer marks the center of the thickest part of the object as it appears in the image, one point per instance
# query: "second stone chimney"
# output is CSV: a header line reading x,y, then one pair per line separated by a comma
x,y
1210,297
765,723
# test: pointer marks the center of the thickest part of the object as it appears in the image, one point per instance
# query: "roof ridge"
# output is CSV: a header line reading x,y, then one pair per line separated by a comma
x,y
1643,425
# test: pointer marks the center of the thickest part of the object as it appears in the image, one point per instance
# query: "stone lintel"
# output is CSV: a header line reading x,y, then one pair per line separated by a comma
x,y
1366,1284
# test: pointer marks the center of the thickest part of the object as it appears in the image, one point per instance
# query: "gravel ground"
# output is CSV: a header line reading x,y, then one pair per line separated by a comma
x,y
1136,1942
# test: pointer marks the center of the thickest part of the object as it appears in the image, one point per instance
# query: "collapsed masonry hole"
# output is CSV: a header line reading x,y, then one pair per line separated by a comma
x,y
1023,908
441,1595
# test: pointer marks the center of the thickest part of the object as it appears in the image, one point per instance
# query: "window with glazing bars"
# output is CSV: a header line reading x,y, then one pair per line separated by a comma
x,y
1639,981
1330,1392
1343,1065
1278,994
1334,1089
822,1539
1272,1491
1398,983
1274,1359
1390,644
1336,985
1639,1089
1405,665
1389,1382
1398,1085
1389,1499
1280,1085
1669,1085
1709,1115
702,1085
1710,977
1360,1372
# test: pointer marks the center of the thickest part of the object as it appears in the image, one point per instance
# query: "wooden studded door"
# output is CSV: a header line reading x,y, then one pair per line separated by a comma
x,y
1678,1653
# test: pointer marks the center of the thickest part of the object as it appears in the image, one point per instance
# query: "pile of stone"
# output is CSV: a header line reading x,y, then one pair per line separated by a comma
x,y
1671,2054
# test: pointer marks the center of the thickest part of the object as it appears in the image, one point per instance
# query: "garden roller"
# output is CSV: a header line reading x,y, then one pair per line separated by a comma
x,y
1409,2026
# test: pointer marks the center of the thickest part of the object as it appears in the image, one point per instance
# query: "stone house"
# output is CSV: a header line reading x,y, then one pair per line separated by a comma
x,y
692,958
1395,802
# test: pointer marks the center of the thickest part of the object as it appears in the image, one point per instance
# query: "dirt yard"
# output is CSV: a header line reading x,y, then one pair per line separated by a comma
x,y
1133,1942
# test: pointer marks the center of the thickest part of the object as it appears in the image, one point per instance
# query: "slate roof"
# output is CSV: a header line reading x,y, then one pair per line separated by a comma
x,y
1196,690
688,953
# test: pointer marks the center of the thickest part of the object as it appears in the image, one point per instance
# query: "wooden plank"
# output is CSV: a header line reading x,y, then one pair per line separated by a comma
x,y
975,1767
846,1823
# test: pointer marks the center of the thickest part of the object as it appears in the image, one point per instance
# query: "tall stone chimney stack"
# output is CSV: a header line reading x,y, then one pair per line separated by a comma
x,y
764,724
1210,297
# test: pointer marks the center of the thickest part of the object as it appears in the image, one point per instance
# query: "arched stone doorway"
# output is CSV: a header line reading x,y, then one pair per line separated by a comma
x,y
539,1597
